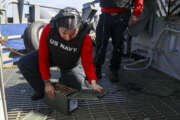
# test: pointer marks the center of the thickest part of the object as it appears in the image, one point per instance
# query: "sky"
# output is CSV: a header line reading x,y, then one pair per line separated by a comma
x,y
62,3
56,3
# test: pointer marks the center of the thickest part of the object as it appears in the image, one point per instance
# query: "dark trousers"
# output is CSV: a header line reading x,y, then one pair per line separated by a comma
x,y
110,26
29,67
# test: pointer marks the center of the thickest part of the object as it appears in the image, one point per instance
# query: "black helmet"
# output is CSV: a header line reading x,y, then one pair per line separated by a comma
x,y
68,18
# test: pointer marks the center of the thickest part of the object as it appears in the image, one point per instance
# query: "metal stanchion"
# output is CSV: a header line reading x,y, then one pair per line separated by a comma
x,y
3,107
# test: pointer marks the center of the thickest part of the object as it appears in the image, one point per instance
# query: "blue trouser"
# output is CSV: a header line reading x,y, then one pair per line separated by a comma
x,y
29,67
110,26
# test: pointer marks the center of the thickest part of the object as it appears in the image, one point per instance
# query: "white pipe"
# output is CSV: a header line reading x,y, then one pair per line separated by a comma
x,y
14,37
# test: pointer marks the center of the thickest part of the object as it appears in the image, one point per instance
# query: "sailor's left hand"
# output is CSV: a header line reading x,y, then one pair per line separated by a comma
x,y
133,20
95,86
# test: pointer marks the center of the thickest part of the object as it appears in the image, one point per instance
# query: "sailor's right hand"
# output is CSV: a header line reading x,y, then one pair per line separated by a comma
x,y
133,20
49,89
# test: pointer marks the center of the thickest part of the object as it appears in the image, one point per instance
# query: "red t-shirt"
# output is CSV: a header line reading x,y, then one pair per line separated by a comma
x,y
86,56
138,8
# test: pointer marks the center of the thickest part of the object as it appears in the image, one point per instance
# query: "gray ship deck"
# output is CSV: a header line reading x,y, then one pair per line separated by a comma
x,y
119,104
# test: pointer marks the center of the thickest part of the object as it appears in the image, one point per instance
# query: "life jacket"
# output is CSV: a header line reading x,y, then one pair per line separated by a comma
x,y
64,54
116,3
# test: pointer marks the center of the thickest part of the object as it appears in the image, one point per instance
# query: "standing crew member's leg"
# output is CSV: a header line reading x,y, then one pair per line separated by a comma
x,y
120,24
102,38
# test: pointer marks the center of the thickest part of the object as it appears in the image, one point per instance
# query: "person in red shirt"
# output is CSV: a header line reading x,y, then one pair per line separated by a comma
x,y
115,18
64,43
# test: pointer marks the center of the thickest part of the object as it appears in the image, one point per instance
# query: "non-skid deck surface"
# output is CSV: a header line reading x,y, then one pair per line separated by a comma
x,y
117,105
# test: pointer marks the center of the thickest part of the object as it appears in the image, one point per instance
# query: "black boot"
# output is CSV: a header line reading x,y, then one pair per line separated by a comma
x,y
114,76
37,96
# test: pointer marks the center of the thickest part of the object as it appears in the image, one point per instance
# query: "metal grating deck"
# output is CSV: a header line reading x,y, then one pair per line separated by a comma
x,y
117,105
